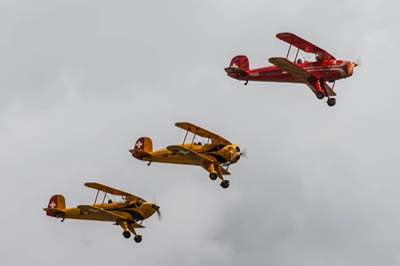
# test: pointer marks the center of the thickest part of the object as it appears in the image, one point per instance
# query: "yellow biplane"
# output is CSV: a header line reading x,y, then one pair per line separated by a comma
x,y
215,156
129,213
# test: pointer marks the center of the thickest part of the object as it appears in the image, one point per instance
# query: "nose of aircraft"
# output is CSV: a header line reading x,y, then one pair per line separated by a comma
x,y
350,67
237,154
156,208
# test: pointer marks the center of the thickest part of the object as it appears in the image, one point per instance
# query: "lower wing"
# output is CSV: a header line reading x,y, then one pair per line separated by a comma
x,y
110,216
312,81
206,162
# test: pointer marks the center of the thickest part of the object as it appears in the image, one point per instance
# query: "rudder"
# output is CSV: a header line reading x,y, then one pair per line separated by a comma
x,y
56,202
142,144
241,62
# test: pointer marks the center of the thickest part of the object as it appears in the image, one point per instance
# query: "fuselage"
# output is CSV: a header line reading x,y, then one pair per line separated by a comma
x,y
327,70
222,153
132,211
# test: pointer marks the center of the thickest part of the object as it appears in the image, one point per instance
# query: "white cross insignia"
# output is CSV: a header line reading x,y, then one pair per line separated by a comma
x,y
139,144
52,205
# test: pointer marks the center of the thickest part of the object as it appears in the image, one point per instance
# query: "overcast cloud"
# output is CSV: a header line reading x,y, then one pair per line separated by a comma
x,y
82,80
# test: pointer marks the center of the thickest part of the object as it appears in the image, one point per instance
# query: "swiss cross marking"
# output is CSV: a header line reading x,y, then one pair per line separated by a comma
x,y
52,204
139,144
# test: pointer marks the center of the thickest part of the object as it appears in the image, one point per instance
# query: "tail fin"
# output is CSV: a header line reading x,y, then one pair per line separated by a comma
x,y
142,145
56,204
241,62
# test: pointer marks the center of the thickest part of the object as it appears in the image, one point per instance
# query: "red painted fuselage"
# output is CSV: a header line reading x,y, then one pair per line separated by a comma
x,y
327,70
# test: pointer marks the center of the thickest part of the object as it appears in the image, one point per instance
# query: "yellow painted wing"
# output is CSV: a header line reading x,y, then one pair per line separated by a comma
x,y
290,67
101,212
202,133
113,191
197,157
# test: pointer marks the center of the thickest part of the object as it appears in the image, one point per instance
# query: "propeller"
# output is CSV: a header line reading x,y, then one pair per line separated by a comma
x,y
158,213
244,153
157,208
358,62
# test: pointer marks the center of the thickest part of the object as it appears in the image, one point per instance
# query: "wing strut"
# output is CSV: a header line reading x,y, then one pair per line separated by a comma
x,y
95,199
298,50
104,198
191,145
187,132
287,55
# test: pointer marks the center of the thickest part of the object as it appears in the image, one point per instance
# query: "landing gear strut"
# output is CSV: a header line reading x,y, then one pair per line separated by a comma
x,y
224,184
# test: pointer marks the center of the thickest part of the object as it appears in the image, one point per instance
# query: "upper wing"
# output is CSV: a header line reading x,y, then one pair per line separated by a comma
x,y
304,45
202,132
290,67
113,191
106,214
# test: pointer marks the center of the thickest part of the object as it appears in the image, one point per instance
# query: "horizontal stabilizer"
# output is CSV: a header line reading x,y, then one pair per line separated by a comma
x,y
54,212
235,70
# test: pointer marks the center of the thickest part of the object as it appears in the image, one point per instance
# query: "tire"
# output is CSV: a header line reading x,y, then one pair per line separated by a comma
x,y
126,234
320,95
224,184
138,238
213,176
331,101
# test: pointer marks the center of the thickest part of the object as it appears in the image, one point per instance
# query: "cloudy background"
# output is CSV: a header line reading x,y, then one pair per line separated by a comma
x,y
82,80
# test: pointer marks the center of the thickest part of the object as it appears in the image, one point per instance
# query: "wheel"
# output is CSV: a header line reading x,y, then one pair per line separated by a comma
x,y
225,183
213,176
138,238
320,95
331,101
126,234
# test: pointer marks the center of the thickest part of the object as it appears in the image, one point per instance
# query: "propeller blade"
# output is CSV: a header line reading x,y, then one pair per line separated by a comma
x,y
159,214
244,153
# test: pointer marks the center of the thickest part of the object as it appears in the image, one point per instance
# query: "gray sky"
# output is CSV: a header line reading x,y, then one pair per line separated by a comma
x,y
82,80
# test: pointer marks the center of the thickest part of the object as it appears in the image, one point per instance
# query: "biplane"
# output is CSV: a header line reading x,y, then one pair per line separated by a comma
x,y
128,213
316,74
215,155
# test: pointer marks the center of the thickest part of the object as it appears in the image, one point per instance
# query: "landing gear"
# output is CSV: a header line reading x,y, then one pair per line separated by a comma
x,y
213,176
149,163
246,82
320,95
126,234
331,101
224,184
138,238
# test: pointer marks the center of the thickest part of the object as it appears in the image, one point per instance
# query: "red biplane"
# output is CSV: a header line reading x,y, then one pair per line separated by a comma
x,y
316,74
